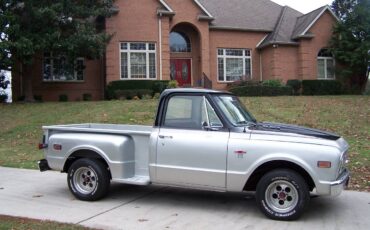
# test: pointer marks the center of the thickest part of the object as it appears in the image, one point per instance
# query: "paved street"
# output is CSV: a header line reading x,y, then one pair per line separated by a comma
x,y
30,193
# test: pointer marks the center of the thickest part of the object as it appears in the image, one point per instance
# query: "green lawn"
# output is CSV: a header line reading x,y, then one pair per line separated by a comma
x,y
347,115
7,222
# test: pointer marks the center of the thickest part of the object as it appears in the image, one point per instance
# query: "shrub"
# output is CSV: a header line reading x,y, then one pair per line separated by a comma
x,y
155,86
86,97
172,84
321,87
21,98
38,98
242,83
131,94
260,90
272,83
156,96
296,86
159,86
147,97
63,98
3,98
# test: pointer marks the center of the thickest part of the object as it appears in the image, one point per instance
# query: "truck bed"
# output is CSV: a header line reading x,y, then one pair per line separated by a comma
x,y
128,162
103,128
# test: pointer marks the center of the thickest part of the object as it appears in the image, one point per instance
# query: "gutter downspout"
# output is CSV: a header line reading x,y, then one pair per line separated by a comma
x,y
261,67
160,45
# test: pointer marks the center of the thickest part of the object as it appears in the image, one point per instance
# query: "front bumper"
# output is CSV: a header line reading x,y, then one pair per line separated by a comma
x,y
336,187
43,165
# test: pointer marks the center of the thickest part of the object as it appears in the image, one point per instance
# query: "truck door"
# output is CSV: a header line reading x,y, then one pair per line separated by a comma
x,y
192,144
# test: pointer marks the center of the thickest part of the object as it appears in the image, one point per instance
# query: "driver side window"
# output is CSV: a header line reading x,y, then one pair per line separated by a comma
x,y
190,112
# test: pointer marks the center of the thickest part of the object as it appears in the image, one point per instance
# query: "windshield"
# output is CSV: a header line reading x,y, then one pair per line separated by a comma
x,y
234,110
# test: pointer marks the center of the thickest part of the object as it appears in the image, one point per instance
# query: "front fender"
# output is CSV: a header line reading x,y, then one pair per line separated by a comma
x,y
236,180
282,157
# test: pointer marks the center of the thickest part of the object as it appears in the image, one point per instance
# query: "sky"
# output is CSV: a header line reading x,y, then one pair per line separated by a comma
x,y
304,6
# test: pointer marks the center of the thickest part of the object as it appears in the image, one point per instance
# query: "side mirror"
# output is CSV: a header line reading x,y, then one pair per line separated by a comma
x,y
212,127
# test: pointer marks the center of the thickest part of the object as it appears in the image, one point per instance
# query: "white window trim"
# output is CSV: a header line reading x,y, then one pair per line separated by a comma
x,y
52,70
146,51
325,68
224,56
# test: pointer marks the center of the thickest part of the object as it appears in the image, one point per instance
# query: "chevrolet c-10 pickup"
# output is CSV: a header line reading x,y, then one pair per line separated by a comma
x,y
202,139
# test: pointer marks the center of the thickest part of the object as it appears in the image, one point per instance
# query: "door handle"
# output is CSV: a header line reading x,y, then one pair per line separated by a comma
x,y
165,137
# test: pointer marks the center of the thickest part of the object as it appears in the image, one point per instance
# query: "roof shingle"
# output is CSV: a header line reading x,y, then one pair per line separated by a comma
x,y
304,21
284,28
253,15
284,23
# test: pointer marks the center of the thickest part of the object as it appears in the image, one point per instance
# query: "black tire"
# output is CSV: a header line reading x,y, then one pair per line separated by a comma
x,y
282,194
88,179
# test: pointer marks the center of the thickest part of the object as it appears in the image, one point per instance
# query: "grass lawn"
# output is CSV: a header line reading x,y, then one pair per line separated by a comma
x,y
346,115
7,222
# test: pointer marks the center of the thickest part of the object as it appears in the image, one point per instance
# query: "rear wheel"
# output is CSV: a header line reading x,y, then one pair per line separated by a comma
x,y
282,194
88,179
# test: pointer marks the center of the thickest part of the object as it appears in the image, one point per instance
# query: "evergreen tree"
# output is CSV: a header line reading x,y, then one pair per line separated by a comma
x,y
351,40
29,28
343,7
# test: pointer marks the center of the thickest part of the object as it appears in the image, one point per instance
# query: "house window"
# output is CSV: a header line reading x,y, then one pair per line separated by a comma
x,y
234,64
138,60
325,65
59,68
179,42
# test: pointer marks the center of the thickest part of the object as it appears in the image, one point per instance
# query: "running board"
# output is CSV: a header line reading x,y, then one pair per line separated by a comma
x,y
137,180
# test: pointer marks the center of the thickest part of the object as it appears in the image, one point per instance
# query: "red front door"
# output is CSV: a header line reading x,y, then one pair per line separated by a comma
x,y
181,71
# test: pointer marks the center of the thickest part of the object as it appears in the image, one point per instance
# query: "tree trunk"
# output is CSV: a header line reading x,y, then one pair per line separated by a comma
x,y
27,79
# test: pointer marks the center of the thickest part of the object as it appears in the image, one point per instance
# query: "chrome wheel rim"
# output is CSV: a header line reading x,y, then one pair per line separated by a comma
x,y
281,196
84,180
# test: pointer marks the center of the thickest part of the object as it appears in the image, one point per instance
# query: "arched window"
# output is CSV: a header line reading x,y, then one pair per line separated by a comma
x,y
179,42
325,65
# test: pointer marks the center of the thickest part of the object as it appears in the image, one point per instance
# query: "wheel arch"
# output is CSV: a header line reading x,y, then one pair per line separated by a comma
x,y
266,167
85,153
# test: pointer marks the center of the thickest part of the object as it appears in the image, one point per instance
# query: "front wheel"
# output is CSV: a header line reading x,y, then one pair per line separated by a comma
x,y
88,179
282,194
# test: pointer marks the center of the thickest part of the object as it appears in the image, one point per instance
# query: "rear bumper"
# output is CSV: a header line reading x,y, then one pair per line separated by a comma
x,y
43,165
336,187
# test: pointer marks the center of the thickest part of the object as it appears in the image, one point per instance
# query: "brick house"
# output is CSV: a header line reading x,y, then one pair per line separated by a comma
x,y
200,43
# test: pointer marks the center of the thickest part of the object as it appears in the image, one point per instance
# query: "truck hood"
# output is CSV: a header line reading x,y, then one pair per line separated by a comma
x,y
285,128
296,134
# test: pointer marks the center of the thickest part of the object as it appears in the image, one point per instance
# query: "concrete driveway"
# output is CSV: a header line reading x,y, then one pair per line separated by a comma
x,y
29,193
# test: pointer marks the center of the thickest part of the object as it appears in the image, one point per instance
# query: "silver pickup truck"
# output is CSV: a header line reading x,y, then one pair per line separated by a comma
x,y
202,139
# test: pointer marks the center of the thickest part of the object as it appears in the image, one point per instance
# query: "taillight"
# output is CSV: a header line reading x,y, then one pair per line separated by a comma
x,y
43,146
